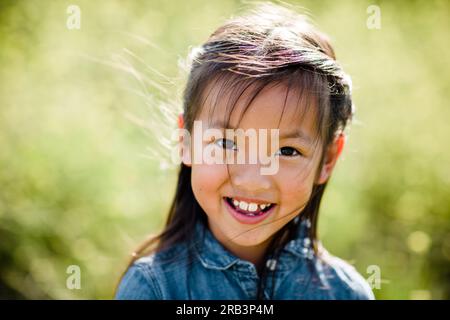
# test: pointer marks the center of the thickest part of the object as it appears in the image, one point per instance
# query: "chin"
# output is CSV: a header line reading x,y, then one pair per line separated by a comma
x,y
248,238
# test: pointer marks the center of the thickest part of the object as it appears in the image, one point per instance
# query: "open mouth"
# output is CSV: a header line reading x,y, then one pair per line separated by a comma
x,y
249,209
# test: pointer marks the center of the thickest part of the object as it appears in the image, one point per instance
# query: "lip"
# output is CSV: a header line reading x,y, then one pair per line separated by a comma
x,y
247,219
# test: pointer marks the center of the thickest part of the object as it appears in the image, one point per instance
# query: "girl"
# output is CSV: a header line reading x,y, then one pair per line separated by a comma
x,y
233,232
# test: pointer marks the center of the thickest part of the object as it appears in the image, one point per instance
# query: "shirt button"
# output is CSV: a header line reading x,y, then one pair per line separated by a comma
x,y
306,242
308,223
271,264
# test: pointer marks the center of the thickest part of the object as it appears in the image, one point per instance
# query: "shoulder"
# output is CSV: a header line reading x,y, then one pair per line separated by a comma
x,y
346,281
143,278
139,282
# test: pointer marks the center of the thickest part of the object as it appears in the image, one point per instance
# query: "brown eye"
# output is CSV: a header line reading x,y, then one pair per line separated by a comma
x,y
288,152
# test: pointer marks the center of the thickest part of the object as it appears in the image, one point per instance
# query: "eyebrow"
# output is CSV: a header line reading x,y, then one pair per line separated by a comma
x,y
297,134
293,134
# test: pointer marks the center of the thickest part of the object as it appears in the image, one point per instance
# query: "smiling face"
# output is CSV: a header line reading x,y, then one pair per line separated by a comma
x,y
232,194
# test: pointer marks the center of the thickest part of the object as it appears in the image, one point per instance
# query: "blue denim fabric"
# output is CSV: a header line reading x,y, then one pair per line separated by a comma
x,y
209,271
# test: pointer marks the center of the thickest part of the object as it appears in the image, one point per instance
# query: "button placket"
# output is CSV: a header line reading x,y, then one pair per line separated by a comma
x,y
248,278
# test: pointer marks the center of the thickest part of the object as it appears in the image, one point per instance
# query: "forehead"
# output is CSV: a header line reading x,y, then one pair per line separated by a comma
x,y
256,105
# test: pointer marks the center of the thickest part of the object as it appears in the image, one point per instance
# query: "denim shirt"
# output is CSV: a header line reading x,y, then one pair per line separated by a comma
x,y
211,272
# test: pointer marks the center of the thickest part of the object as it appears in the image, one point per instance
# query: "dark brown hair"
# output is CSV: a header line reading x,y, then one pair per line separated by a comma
x,y
271,44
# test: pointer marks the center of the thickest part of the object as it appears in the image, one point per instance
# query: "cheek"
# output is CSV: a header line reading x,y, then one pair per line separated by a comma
x,y
206,182
295,188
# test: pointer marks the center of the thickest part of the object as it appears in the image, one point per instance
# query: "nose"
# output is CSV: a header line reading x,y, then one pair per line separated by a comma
x,y
248,177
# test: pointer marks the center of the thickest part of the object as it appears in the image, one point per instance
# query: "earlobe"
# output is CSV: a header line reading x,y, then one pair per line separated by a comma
x,y
332,154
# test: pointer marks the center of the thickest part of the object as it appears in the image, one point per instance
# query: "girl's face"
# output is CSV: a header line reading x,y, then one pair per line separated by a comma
x,y
227,192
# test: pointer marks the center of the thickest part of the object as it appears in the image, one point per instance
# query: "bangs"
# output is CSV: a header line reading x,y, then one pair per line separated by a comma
x,y
307,88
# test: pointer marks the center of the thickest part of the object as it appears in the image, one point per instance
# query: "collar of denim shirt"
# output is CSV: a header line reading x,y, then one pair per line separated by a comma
x,y
213,255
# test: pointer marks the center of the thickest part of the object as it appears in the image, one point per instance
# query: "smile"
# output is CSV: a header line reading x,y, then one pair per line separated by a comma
x,y
248,212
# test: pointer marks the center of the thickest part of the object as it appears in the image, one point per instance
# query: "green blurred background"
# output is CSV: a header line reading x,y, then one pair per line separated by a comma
x,y
77,185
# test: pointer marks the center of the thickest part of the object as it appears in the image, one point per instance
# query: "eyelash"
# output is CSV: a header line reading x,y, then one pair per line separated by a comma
x,y
295,150
222,139
277,153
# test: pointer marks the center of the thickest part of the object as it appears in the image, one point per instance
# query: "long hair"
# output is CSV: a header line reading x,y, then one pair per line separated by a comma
x,y
271,44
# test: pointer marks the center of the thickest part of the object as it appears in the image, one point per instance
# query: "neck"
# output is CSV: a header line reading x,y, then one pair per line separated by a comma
x,y
254,254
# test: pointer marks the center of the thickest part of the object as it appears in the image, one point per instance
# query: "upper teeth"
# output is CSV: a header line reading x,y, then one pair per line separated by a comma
x,y
252,207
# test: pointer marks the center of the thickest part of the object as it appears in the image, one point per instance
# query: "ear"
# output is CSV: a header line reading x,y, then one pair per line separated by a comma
x,y
184,145
181,121
332,153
